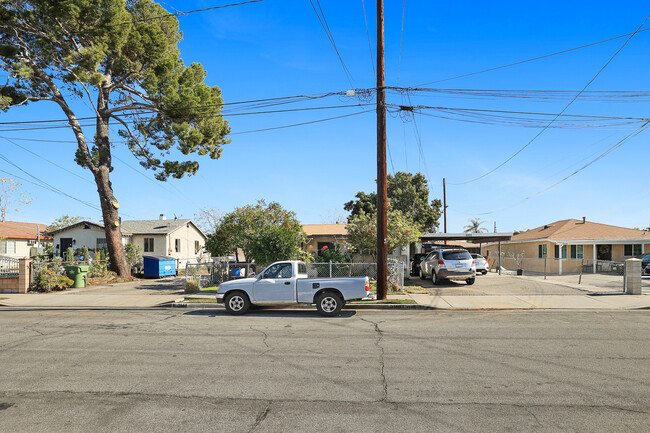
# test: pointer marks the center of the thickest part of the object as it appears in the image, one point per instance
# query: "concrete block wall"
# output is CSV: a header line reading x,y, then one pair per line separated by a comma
x,y
18,284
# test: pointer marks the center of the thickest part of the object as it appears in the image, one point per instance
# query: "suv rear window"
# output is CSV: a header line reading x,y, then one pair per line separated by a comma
x,y
456,255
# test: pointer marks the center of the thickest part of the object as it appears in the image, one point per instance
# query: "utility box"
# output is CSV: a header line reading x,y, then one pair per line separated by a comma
x,y
159,266
632,277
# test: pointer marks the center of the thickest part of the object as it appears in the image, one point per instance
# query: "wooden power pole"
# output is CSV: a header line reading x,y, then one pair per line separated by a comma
x,y
444,203
382,199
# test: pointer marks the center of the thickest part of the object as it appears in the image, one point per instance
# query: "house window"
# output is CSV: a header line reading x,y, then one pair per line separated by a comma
x,y
148,245
577,251
324,246
542,251
197,247
632,250
8,247
177,245
101,243
557,252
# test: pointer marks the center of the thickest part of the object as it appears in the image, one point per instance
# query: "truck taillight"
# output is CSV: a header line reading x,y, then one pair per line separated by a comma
x,y
367,286
441,262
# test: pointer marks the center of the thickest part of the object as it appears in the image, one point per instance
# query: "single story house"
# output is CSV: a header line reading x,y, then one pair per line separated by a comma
x,y
21,240
178,238
567,245
320,236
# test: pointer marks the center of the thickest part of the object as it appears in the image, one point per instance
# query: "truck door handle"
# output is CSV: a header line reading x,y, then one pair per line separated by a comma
x,y
287,282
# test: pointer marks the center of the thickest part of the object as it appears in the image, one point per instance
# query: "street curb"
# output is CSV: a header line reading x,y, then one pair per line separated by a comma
x,y
200,306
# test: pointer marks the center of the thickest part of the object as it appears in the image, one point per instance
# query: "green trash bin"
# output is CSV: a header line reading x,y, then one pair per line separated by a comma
x,y
78,274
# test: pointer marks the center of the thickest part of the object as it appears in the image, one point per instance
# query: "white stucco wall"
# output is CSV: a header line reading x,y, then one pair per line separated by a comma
x,y
22,249
82,237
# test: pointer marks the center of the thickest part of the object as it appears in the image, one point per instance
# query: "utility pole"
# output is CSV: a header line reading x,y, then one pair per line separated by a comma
x,y
444,203
382,208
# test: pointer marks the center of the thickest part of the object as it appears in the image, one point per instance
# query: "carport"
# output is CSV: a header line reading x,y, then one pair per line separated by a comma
x,y
475,238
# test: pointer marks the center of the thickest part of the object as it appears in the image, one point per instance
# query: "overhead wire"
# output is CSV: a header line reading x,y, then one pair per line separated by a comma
x,y
558,115
531,59
609,150
365,19
323,22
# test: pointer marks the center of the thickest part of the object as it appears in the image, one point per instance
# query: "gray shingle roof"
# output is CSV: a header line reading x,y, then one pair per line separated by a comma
x,y
150,227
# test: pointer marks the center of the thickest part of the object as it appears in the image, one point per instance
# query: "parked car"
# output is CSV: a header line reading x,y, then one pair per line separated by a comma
x,y
415,263
448,264
645,261
288,283
481,263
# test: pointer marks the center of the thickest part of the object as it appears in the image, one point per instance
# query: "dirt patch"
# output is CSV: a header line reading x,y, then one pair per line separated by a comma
x,y
110,278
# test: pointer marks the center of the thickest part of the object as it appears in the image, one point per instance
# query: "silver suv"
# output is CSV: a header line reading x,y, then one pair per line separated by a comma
x,y
448,264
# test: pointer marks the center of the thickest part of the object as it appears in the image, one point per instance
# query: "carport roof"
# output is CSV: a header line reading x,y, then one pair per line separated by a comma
x,y
467,237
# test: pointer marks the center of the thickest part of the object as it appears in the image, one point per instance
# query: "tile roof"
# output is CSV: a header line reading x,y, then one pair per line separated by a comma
x,y
325,229
18,230
573,229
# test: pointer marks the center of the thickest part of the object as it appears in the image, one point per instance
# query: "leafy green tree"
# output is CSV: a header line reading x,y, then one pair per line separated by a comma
x,y
64,221
264,233
122,58
408,193
362,231
133,256
474,226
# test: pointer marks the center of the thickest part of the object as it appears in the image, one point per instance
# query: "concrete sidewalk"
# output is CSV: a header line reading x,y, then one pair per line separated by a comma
x,y
490,292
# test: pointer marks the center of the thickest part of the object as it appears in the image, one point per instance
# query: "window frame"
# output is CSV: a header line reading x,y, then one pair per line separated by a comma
x,y
148,248
577,252
633,247
562,251
177,245
542,251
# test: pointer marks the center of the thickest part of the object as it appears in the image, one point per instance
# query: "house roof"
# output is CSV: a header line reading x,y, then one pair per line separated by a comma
x,y
153,227
573,229
142,227
313,230
17,230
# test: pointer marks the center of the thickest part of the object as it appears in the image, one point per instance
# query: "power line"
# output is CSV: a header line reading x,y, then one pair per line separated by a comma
x,y
301,124
229,115
328,33
533,59
611,149
177,14
559,114
278,100
401,40
51,162
365,20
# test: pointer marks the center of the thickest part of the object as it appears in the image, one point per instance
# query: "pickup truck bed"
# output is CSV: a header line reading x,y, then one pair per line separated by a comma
x,y
286,283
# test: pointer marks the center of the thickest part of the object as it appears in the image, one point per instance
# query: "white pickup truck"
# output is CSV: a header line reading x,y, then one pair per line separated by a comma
x,y
287,283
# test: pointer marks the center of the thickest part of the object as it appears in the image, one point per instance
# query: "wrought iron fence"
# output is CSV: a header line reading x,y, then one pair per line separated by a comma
x,y
8,267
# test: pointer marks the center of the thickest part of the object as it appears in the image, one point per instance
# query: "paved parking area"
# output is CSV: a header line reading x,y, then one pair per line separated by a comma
x,y
495,284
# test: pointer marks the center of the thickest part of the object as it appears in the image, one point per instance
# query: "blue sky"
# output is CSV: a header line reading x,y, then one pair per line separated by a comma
x,y
278,48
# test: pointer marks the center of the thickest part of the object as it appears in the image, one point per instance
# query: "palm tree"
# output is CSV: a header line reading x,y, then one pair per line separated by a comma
x,y
474,226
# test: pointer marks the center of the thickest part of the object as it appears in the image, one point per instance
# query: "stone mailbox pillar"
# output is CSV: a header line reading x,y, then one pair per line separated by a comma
x,y
632,277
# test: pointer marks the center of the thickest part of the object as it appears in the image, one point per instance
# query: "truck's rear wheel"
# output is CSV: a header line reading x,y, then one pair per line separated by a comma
x,y
329,304
237,303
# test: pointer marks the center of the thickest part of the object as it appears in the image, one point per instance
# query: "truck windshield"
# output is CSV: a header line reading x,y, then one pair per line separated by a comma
x,y
279,270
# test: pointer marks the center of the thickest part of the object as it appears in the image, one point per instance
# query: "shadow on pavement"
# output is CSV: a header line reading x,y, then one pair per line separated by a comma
x,y
264,312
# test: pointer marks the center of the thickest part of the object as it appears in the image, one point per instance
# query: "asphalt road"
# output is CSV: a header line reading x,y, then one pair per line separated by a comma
x,y
293,371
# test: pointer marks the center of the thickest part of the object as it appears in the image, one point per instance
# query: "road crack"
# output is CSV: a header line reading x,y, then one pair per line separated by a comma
x,y
380,337
261,417
266,336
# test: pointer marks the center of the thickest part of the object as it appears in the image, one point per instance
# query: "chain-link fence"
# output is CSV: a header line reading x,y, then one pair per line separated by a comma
x,y
554,266
212,274
338,270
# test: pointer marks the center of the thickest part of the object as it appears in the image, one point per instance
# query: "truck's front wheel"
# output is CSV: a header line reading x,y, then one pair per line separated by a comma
x,y
237,303
329,304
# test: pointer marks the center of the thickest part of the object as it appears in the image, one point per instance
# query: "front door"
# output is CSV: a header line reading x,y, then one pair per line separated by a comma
x,y
604,252
275,285
65,243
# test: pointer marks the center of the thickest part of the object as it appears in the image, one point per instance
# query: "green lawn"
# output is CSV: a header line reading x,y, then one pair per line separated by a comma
x,y
212,289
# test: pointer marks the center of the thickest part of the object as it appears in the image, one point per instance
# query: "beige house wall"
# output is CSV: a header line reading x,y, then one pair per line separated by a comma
x,y
531,262
22,248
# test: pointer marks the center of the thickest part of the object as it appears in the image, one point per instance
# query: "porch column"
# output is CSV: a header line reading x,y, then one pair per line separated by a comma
x,y
594,266
560,246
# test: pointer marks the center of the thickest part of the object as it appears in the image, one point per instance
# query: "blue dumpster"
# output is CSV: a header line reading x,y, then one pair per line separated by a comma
x,y
159,266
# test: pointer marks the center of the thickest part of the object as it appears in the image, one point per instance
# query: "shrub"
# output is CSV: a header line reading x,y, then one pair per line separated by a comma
x,y
49,280
192,286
